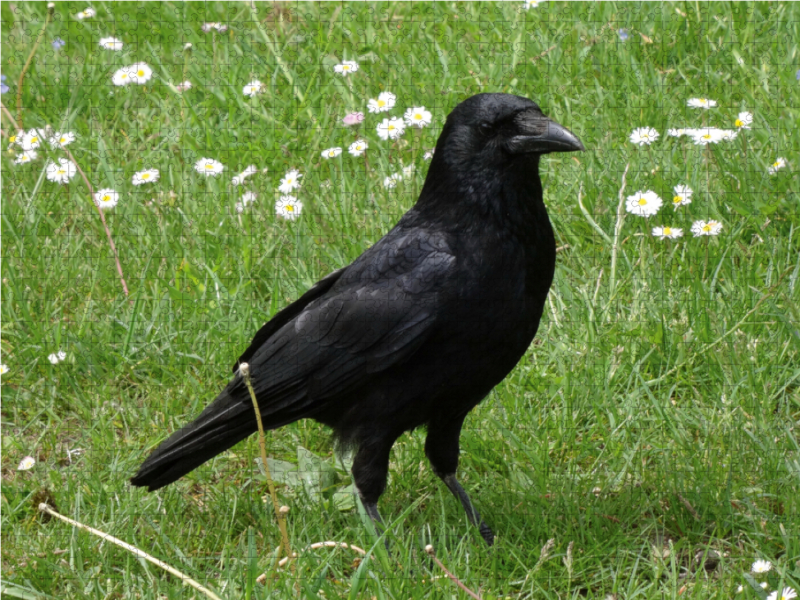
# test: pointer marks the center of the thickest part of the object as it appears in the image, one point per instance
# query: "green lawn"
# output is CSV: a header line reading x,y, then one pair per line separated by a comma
x,y
652,429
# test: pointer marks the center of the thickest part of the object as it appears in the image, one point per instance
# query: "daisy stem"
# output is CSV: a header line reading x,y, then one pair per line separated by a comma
x,y
617,233
102,218
280,515
51,7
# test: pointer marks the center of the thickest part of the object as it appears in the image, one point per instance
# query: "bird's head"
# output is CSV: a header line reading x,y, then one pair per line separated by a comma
x,y
497,129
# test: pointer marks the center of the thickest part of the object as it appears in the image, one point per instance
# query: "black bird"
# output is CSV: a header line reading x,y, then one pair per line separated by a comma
x,y
420,327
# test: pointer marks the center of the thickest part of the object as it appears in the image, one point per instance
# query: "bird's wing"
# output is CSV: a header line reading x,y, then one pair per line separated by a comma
x,y
381,309
288,313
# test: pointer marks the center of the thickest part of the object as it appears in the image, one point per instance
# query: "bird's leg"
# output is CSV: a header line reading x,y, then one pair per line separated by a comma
x,y
370,469
472,513
441,447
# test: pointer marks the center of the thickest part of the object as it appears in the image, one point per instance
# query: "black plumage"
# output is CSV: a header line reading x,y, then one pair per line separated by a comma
x,y
419,328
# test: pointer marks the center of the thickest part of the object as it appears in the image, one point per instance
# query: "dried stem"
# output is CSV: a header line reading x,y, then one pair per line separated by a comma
x,y
50,10
280,511
453,578
133,549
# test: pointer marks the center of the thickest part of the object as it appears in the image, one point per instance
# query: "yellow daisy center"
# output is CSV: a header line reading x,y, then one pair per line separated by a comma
x,y
34,140
123,76
209,166
703,101
12,139
707,227
288,181
106,198
345,67
642,201
645,135
776,164
145,175
140,73
381,103
61,171
739,123
667,231
707,136
418,117
677,199
290,208
392,127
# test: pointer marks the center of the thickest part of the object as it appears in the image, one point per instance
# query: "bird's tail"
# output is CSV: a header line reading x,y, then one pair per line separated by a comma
x,y
224,423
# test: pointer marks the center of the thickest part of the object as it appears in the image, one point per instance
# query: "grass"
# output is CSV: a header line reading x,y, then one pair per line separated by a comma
x,y
653,422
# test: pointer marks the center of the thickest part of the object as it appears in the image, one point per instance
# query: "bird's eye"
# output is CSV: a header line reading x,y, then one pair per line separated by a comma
x,y
486,127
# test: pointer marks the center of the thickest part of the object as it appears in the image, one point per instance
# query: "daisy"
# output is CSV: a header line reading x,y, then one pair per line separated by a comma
x,y
644,204
26,157
26,463
392,180
409,170
527,4
86,14
787,594
353,118
61,172
391,128
61,139
700,228
248,198
761,566
644,136
290,182
147,176
357,148
111,43
347,67
676,132
744,120
682,197
106,198
331,152
31,139
218,26
253,88
740,589
418,117
701,103
778,164
728,134
182,87
140,73
288,207
121,76
57,357
239,179
428,155
705,136
385,102
3,369
209,167
667,232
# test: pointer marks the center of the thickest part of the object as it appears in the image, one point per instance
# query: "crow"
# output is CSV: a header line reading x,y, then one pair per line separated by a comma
x,y
420,327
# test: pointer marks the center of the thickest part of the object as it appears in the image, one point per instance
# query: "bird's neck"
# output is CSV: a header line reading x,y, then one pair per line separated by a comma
x,y
509,200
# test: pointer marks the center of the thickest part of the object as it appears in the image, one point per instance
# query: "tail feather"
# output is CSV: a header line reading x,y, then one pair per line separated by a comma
x,y
224,423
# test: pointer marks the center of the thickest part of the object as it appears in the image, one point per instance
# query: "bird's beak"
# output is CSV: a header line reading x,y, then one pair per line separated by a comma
x,y
542,135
